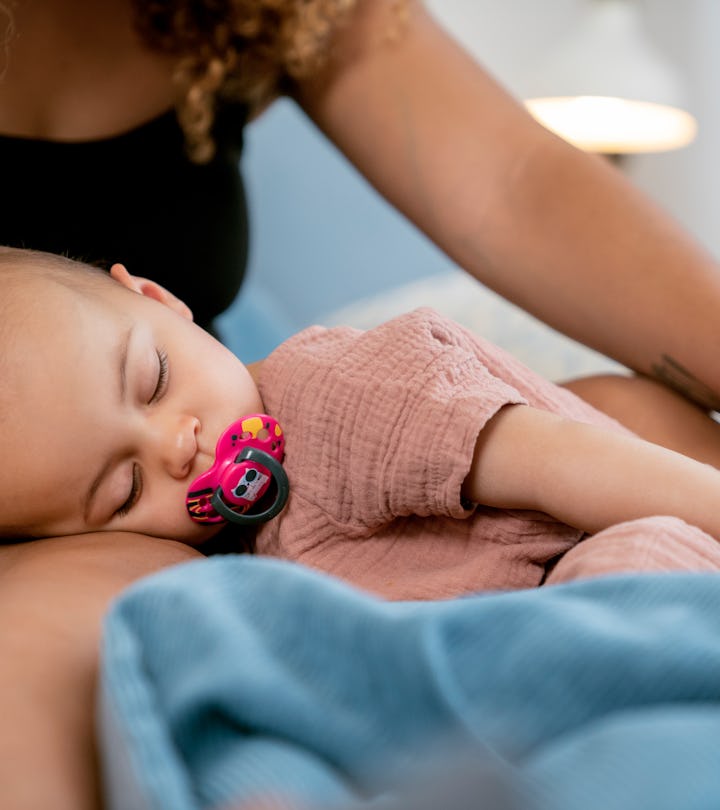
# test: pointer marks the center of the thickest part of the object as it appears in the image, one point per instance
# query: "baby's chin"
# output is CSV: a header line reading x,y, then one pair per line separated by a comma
x,y
183,529
198,535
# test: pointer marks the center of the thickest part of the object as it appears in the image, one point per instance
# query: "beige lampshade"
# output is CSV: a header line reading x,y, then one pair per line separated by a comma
x,y
607,89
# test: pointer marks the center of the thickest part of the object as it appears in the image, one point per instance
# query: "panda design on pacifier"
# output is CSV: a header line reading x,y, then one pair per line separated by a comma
x,y
248,461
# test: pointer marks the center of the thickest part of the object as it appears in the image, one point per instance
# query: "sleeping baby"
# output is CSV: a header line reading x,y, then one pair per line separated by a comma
x,y
415,460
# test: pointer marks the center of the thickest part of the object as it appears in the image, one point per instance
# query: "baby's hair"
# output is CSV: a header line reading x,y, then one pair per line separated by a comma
x,y
18,269
18,266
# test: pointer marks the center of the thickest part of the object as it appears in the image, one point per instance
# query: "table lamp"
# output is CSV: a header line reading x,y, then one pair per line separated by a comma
x,y
609,90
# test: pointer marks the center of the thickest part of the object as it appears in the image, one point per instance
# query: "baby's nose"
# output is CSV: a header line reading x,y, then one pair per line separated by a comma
x,y
178,444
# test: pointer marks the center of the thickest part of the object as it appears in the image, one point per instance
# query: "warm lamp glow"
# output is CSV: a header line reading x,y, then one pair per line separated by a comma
x,y
607,88
615,125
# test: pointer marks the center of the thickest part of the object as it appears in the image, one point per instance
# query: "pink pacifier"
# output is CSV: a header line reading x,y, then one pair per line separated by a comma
x,y
248,458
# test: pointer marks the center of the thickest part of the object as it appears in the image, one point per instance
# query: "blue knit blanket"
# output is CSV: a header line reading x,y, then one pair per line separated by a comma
x,y
245,682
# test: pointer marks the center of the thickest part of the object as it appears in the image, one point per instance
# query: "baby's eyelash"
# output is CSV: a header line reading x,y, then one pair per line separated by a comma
x,y
135,491
161,386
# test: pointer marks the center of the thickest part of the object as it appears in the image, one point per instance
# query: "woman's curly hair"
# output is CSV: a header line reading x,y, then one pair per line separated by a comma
x,y
244,50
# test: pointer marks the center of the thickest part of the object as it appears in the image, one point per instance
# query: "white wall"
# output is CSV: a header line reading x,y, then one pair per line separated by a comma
x,y
510,38
322,238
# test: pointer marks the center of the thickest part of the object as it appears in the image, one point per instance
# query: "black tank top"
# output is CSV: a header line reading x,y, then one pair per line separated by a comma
x,y
136,199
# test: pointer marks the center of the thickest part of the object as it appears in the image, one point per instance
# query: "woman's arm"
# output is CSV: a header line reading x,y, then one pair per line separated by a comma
x,y
587,476
53,594
559,232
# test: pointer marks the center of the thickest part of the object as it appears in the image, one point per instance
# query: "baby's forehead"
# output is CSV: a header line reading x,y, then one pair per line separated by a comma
x,y
34,303
37,270
41,330
28,297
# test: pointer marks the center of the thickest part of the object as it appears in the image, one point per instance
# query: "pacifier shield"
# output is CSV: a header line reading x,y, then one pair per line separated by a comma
x,y
247,466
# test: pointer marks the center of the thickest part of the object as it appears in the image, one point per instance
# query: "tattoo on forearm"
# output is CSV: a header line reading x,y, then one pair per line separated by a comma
x,y
676,376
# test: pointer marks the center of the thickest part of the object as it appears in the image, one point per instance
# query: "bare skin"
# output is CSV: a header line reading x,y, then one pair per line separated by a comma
x,y
558,232
465,162
459,157
654,412
586,476
53,594
76,71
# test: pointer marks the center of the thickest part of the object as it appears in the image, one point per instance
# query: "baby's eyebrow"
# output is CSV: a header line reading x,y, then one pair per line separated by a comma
x,y
121,364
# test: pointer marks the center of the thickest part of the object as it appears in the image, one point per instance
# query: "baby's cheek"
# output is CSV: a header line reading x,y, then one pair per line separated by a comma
x,y
167,518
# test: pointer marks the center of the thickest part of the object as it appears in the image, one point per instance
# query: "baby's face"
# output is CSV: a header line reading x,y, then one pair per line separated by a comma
x,y
116,405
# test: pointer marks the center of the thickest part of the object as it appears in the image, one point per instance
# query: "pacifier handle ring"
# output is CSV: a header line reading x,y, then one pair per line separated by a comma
x,y
283,490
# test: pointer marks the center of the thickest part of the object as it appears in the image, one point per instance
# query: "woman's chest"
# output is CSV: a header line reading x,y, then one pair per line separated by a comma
x,y
77,70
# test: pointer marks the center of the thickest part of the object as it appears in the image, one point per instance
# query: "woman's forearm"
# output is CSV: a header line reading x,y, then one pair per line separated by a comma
x,y
586,476
596,259
561,233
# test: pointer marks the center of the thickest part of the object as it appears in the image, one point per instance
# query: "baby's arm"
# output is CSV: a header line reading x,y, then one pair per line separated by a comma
x,y
587,476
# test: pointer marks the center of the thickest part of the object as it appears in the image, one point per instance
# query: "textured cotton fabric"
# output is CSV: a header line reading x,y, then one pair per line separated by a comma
x,y
380,431
648,545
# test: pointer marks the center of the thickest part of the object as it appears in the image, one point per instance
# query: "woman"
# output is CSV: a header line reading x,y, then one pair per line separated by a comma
x,y
95,165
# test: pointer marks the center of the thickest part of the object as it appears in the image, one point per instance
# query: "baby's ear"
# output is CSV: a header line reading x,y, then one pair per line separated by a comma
x,y
150,289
